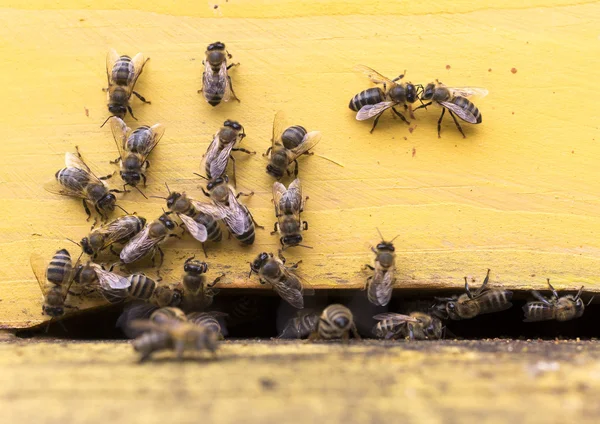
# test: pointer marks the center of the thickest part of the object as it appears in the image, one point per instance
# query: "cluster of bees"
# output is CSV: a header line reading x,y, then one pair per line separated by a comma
x,y
174,316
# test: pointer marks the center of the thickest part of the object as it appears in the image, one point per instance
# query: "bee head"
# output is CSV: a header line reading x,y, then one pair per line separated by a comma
x,y
53,311
233,124
216,46
386,246
172,199
216,182
411,93
193,266
291,240
257,264
107,202
117,110
132,178
167,222
86,246
428,91
274,171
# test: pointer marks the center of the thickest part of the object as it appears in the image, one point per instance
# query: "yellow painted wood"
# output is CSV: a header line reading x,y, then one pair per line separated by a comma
x,y
489,382
519,195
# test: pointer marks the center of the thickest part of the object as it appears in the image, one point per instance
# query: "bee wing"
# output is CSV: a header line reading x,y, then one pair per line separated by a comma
x,y
217,212
74,160
138,246
111,58
369,111
294,195
309,141
278,127
279,191
115,231
207,76
197,230
223,76
290,290
395,318
236,216
380,288
39,265
53,186
120,132
463,114
468,91
109,280
157,132
138,62
218,165
373,75
211,155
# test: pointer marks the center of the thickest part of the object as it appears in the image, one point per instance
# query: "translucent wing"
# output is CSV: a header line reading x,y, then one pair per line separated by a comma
x,y
468,91
236,219
395,318
290,290
110,280
278,127
114,295
138,62
111,58
53,186
369,111
310,140
38,265
217,162
197,230
120,133
117,230
157,131
216,212
294,195
373,75
74,160
462,113
223,76
207,78
211,154
279,191
380,287
138,246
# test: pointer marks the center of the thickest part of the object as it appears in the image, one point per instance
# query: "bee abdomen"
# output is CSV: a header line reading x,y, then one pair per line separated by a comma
x,y
141,287
334,321
370,96
122,71
292,137
496,301
139,140
72,177
538,311
247,237
60,266
205,320
213,93
468,106
213,230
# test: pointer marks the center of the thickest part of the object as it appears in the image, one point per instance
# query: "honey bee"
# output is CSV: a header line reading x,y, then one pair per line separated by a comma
x,y
216,82
118,231
335,322
122,73
77,180
149,240
209,321
469,305
219,151
172,334
286,284
55,280
144,288
92,277
236,216
372,102
302,325
455,100
381,283
287,145
289,203
416,326
134,148
563,308
198,294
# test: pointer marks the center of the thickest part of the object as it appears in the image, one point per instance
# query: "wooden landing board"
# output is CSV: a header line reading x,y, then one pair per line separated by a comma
x,y
519,195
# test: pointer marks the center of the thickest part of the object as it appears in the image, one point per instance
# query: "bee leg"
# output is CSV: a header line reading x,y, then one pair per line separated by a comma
x,y
106,177
139,96
215,281
467,289
234,179
423,105
295,266
131,112
346,337
439,125
117,160
484,284
367,266
280,255
204,250
275,230
304,225
179,347
355,332
268,151
457,124
411,333
375,122
231,88
296,168
87,210
204,191
143,178
244,194
400,115
239,149
162,256
554,293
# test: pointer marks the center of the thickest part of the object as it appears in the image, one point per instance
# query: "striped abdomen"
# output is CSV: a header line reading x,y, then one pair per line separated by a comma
x,y
472,114
122,71
133,223
214,88
494,301
212,226
334,322
206,320
539,311
292,137
140,140
141,287
248,237
60,267
370,96
387,329
74,179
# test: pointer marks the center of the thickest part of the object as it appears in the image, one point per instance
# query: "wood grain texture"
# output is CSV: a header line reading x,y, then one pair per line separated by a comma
x,y
489,381
518,195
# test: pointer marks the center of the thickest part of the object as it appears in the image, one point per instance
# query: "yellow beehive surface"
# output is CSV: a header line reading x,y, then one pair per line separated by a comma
x,y
519,195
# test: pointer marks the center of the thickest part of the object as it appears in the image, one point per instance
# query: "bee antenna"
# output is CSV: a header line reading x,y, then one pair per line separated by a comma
x,y
201,176
590,301
74,242
394,238
141,192
579,293
167,186
380,235
107,119
158,197
127,213
302,245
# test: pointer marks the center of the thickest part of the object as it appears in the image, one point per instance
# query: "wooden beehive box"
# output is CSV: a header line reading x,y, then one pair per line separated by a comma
x,y
519,195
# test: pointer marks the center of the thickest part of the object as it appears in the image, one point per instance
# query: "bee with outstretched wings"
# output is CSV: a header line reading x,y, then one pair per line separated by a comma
x,y
122,72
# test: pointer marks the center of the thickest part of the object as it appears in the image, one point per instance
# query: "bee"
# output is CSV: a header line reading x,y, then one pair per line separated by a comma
x,y
197,292
381,283
92,277
372,102
77,180
119,231
144,288
209,321
286,150
455,100
302,325
219,151
172,334
55,280
289,203
134,148
564,308
285,283
166,314
335,322
416,326
236,216
122,73
149,240
469,305
216,82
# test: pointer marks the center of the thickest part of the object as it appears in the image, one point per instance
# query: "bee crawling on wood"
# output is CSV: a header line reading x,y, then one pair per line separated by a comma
x,y
118,231
380,285
416,326
216,82
559,308
198,293
289,203
469,305
149,240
